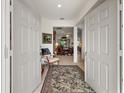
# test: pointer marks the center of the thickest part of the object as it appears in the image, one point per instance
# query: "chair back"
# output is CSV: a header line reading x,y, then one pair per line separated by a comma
x,y
45,51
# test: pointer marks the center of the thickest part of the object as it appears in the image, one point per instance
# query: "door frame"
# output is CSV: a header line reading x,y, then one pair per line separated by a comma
x,y
74,28
120,34
5,62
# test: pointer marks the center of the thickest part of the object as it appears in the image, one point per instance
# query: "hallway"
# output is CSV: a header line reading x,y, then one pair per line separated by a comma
x,y
91,53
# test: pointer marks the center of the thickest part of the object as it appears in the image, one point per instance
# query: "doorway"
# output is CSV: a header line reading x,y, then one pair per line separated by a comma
x,y
63,44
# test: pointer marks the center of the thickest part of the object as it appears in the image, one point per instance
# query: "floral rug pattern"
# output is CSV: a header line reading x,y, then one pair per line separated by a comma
x,y
65,79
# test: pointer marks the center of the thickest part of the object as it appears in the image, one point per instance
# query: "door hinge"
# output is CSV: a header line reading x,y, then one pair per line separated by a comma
x,y
121,7
11,8
121,81
11,53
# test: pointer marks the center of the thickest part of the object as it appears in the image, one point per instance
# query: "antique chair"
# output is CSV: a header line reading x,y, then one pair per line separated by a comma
x,y
48,57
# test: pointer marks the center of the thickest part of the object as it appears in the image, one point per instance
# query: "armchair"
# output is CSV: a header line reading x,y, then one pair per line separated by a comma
x,y
48,58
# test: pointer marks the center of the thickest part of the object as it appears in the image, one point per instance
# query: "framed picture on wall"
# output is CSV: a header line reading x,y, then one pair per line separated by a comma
x,y
46,38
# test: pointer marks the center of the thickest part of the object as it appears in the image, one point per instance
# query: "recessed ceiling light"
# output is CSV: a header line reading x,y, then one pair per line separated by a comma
x,y
59,5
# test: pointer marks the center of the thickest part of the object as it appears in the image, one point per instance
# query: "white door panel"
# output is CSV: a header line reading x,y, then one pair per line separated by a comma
x,y
101,37
26,64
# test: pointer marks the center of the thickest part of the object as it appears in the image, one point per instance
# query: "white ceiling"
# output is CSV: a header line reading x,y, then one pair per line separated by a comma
x,y
48,8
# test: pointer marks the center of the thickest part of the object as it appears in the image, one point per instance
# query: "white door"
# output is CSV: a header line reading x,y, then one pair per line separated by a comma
x,y
26,60
101,44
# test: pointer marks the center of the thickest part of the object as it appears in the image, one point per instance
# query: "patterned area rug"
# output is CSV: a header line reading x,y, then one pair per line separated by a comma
x,y
65,79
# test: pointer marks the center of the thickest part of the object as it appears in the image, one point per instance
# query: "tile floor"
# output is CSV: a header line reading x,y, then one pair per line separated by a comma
x,y
68,60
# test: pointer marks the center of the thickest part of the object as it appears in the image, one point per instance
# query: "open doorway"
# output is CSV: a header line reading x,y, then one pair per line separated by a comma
x,y
63,44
